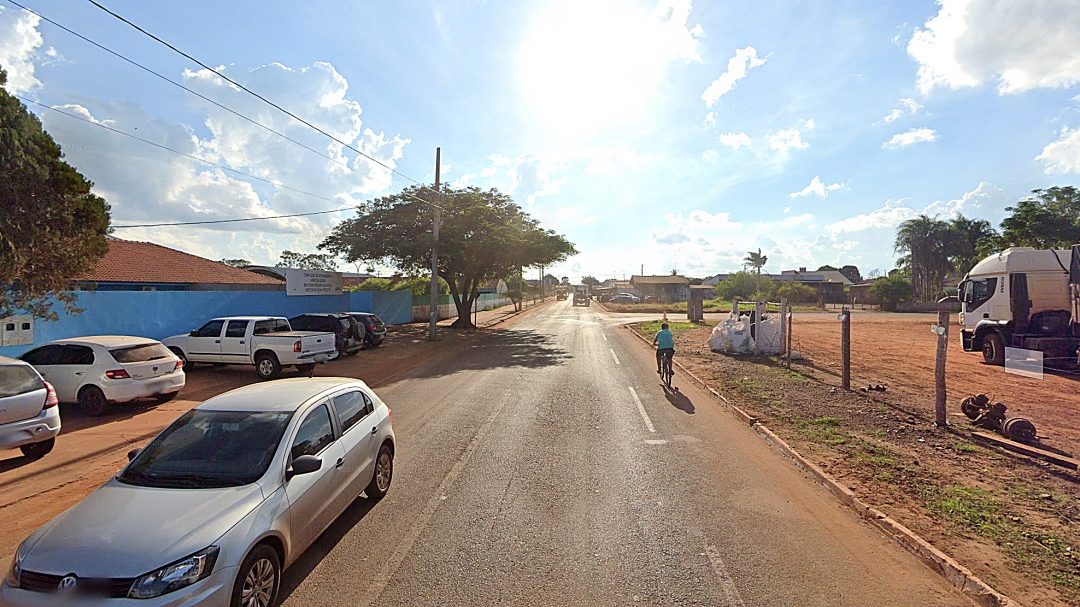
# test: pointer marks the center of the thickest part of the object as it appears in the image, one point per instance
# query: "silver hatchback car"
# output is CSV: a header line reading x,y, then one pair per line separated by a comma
x,y
217,505
29,415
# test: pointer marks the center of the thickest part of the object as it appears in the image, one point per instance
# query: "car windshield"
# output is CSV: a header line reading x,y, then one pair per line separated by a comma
x,y
140,353
209,449
18,379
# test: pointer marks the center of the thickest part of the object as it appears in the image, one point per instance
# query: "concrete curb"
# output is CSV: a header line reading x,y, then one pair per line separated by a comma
x,y
955,573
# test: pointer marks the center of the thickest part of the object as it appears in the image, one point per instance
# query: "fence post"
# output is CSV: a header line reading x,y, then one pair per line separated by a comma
x,y
783,324
788,321
845,348
759,311
942,330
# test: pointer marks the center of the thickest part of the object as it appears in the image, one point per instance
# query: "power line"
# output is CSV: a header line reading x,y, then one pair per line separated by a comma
x,y
195,223
207,99
256,95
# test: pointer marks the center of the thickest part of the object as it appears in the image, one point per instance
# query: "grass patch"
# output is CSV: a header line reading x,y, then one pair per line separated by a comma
x,y
970,507
827,421
965,448
648,329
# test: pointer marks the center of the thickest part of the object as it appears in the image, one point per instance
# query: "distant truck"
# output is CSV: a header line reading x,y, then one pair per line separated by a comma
x,y
267,342
1023,298
581,295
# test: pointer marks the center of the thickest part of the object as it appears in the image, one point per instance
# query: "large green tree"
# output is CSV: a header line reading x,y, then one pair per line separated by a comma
x,y
484,236
307,261
1048,220
52,227
972,239
926,245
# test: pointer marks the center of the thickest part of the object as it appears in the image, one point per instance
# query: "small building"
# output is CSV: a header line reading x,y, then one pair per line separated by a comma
x,y
861,294
131,265
663,288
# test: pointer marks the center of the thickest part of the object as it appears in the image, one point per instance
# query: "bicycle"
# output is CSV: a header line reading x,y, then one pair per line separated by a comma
x,y
666,372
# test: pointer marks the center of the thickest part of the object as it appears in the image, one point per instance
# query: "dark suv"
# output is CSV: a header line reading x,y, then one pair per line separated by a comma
x,y
348,335
374,329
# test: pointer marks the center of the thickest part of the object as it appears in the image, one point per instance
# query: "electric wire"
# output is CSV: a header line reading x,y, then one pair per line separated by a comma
x,y
254,94
209,100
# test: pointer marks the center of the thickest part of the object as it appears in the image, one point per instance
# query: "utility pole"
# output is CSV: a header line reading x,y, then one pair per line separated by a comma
x,y
942,331
433,301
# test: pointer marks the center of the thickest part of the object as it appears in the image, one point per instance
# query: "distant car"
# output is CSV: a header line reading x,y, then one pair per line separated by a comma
x,y
581,299
218,505
29,417
374,328
625,298
106,369
349,338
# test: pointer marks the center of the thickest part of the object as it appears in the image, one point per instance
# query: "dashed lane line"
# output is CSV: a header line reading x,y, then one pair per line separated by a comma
x,y
731,593
615,357
641,410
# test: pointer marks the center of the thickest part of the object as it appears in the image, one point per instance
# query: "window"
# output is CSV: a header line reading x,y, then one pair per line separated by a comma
x,y
45,355
141,353
210,329
18,379
301,323
977,292
266,327
315,433
236,328
351,407
75,355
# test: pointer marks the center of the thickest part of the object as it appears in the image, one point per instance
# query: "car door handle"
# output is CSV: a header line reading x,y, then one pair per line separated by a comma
x,y
374,430
241,342
78,373
217,341
339,463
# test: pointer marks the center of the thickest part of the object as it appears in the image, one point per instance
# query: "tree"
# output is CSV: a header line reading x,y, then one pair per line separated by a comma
x,y
484,236
52,227
590,280
873,274
927,246
891,290
236,263
756,261
828,268
744,285
1048,220
796,292
565,280
851,273
972,239
308,261
419,285
374,284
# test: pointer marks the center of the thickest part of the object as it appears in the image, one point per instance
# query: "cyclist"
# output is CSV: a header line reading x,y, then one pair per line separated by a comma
x,y
665,346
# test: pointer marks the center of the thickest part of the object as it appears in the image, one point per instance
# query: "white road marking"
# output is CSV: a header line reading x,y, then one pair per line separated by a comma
x,y
641,410
728,584
604,336
377,586
615,357
656,441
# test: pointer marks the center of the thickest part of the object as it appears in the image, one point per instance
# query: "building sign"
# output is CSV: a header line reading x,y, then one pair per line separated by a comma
x,y
312,282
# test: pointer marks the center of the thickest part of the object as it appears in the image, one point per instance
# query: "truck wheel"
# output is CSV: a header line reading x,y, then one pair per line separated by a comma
x,y
188,365
267,366
993,349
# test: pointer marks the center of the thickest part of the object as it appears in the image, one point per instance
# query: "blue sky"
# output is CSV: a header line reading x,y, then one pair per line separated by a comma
x,y
669,134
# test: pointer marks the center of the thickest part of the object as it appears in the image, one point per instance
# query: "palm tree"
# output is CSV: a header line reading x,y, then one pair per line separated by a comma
x,y
756,261
928,246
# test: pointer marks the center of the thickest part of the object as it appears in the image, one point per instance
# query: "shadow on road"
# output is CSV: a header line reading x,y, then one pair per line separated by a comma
x,y
13,463
679,400
504,348
302,568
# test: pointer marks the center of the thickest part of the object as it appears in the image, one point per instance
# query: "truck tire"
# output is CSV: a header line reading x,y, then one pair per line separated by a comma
x,y
267,365
188,365
993,349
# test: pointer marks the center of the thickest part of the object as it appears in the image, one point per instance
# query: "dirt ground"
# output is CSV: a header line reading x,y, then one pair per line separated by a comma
x,y
90,450
1012,521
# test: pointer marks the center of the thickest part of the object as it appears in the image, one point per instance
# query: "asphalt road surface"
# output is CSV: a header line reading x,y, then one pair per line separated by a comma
x,y
546,465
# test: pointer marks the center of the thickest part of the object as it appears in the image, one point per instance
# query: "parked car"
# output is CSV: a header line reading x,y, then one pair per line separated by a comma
x,y
29,415
98,371
374,328
349,336
625,298
267,342
219,504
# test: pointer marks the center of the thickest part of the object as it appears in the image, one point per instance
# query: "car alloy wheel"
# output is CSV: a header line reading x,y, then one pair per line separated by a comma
x,y
383,475
259,584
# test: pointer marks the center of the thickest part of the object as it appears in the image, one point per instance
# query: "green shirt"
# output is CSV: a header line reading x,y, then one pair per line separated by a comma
x,y
665,340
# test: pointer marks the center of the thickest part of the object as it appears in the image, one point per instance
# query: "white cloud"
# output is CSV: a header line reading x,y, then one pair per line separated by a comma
x,y
19,44
818,187
531,176
737,67
571,215
810,124
787,139
735,140
670,237
795,220
1022,44
888,216
910,107
1063,155
709,154
710,120
902,140
966,204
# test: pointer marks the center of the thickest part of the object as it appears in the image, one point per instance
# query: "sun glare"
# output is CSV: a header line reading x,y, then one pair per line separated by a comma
x,y
592,64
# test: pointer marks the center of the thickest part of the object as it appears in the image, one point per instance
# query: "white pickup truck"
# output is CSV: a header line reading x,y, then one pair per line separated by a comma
x,y
267,342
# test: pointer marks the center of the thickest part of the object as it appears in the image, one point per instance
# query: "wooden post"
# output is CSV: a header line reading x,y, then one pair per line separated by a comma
x,y
942,330
759,311
845,348
783,324
788,321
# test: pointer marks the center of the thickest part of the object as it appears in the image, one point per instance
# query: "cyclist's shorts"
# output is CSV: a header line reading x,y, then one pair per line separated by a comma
x,y
669,352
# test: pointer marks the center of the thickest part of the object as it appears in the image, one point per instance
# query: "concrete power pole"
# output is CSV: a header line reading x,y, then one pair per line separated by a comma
x,y
433,301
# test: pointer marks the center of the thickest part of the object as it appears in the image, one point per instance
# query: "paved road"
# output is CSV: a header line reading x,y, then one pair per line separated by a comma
x,y
546,466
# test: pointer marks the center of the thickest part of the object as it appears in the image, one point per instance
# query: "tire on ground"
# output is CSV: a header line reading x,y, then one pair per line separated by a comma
x,y
38,450
267,365
993,349
383,474
92,401
251,578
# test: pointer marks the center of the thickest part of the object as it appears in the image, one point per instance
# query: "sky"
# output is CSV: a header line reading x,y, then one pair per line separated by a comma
x,y
657,135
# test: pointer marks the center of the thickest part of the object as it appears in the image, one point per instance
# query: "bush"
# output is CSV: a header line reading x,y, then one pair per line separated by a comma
x,y
892,290
743,285
373,284
797,293
419,285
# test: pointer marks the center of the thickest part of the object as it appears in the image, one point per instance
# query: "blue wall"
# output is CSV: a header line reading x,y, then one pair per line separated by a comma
x,y
159,314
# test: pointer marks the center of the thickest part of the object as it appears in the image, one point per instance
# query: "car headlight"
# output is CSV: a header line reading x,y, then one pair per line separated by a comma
x,y
15,571
184,572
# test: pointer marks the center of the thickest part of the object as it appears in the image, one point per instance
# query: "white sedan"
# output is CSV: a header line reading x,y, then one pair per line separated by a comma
x,y
102,370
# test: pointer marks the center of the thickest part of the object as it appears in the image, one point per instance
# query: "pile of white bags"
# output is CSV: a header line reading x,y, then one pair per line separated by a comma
x,y
732,335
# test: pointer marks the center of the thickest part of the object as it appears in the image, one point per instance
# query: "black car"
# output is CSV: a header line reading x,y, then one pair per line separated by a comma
x,y
374,329
349,336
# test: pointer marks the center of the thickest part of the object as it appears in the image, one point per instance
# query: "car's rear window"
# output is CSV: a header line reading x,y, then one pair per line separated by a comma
x,y
140,353
18,379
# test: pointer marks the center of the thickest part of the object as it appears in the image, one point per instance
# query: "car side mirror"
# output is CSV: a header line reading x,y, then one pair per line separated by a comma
x,y
305,464
194,333
133,454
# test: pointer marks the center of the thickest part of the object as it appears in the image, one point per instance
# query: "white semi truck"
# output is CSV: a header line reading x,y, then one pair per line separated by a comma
x,y
1023,298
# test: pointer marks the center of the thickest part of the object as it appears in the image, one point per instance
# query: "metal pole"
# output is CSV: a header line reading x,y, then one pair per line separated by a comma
x,y
942,331
433,300
845,348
